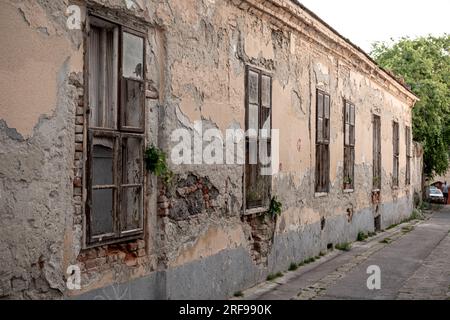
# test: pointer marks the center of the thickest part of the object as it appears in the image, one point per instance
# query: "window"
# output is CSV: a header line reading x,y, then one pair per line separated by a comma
x,y
376,152
322,141
408,156
114,208
395,142
349,145
258,139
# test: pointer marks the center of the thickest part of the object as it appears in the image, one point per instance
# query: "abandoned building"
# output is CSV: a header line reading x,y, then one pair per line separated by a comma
x,y
89,88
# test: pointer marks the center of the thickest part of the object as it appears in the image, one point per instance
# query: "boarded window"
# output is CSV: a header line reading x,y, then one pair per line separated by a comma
x,y
396,147
376,152
408,155
114,208
258,139
322,142
349,145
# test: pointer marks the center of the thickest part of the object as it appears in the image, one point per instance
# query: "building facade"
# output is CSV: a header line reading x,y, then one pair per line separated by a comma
x,y
89,86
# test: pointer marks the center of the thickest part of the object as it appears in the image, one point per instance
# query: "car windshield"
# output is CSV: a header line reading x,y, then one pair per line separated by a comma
x,y
435,191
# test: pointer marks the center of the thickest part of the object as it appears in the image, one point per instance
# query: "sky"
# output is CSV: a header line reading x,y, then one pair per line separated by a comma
x,y
364,22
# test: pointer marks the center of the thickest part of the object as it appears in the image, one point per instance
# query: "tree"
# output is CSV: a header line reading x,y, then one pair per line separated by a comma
x,y
424,64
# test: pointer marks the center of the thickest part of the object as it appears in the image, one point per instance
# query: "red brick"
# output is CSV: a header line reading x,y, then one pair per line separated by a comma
x,y
133,246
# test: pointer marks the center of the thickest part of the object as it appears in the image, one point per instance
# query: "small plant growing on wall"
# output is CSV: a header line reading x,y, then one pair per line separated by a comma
x,y
347,183
275,207
156,163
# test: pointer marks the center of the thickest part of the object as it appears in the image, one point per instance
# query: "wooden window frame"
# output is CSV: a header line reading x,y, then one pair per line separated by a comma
x,y
349,146
119,133
376,147
396,153
322,169
261,73
408,155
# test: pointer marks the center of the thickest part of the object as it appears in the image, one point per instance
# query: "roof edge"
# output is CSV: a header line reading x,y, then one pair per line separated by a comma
x,y
388,73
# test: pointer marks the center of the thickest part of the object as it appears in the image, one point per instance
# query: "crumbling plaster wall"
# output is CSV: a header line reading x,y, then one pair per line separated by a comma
x,y
197,233
39,60
298,69
209,82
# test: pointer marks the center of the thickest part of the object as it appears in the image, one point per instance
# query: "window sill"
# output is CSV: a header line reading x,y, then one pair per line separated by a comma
x,y
321,194
249,212
349,190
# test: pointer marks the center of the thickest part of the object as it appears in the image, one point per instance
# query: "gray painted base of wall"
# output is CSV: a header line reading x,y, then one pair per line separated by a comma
x,y
221,275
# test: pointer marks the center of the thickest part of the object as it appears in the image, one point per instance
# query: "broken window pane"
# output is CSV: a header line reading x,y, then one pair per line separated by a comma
x,y
102,212
133,56
133,95
131,202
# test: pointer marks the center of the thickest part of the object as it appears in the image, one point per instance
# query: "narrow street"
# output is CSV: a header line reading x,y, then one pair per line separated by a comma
x,y
414,260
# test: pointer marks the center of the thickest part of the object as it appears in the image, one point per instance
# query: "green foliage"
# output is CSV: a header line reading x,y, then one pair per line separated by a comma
x,y
361,236
417,214
155,160
424,64
275,207
238,294
272,276
293,267
344,246
310,260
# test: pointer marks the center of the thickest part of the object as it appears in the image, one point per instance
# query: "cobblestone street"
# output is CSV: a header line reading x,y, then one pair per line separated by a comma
x,y
414,259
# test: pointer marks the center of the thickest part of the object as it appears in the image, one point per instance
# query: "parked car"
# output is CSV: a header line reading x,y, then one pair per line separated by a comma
x,y
435,195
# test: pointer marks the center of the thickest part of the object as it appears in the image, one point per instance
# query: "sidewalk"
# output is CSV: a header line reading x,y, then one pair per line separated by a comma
x,y
414,258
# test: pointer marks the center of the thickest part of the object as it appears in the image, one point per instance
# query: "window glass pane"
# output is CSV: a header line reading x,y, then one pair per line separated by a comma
x,y
319,130
102,161
131,213
352,114
265,125
103,47
253,116
102,213
94,75
265,91
326,106
133,56
254,192
352,135
133,104
347,134
347,113
320,105
253,87
326,129
132,160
